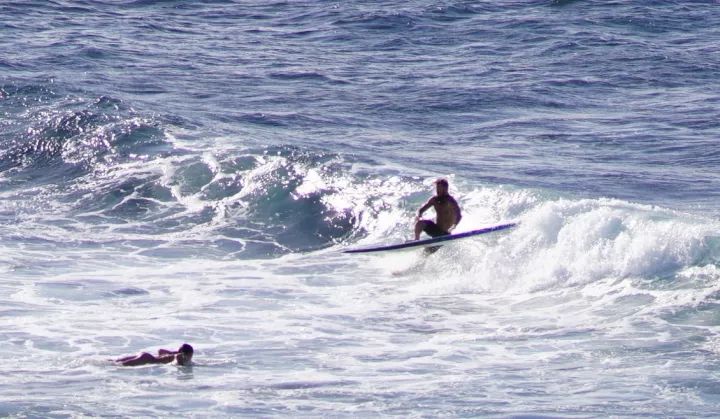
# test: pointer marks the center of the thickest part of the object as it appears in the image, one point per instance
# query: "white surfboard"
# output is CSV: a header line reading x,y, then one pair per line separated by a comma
x,y
431,241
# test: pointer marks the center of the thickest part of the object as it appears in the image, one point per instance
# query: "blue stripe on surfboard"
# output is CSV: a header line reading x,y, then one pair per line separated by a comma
x,y
434,240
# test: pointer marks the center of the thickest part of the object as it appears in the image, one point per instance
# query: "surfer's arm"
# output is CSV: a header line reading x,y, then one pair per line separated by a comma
x,y
458,217
425,207
458,213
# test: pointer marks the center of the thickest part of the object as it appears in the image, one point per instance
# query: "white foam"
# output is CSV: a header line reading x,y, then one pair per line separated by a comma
x,y
603,247
550,294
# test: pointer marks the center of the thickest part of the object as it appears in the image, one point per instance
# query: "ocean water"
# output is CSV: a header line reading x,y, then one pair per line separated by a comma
x,y
184,171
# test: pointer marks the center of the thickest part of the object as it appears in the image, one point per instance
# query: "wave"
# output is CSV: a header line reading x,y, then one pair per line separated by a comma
x,y
98,173
564,244
270,201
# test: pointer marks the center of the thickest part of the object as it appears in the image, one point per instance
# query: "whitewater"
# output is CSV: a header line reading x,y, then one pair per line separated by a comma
x,y
175,171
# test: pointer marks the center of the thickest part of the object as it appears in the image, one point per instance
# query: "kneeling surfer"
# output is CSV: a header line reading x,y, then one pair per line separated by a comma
x,y
447,213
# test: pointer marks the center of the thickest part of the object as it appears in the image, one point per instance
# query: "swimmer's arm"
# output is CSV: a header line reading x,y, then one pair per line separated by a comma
x,y
166,359
166,356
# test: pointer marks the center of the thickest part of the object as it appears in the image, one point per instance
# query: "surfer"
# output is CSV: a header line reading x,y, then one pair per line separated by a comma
x,y
182,356
447,212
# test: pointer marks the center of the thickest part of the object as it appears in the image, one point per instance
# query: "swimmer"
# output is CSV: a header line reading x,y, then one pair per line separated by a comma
x,y
183,356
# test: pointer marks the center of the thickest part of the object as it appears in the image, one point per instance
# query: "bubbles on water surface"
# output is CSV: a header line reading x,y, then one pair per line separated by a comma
x,y
59,138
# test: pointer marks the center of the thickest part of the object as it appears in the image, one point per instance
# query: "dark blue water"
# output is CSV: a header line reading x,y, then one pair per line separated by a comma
x,y
231,142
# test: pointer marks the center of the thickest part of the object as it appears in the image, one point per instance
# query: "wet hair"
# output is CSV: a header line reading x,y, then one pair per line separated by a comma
x,y
442,181
186,349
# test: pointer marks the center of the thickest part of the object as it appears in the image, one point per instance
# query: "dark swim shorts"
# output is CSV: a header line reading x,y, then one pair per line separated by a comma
x,y
433,230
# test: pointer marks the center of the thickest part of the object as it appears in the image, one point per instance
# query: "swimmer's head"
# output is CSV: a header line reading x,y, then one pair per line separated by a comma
x,y
185,354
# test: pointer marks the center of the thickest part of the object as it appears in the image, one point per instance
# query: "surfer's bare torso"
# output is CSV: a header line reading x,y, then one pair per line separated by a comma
x,y
447,213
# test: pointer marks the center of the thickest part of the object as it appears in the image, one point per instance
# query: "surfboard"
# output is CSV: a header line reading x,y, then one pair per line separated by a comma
x,y
431,241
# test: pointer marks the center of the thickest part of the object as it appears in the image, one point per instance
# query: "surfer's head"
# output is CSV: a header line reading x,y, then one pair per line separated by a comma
x,y
441,186
185,354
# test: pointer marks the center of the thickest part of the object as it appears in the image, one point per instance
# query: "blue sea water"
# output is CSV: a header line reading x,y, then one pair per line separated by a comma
x,y
189,171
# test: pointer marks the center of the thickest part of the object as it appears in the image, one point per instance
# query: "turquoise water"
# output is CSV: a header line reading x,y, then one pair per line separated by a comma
x,y
177,171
